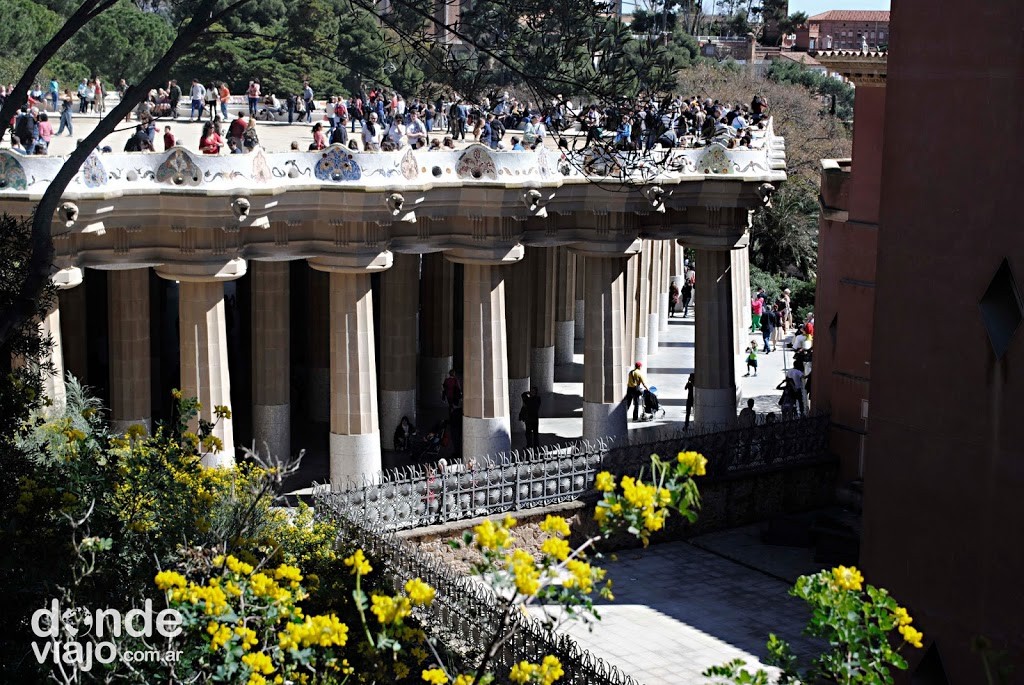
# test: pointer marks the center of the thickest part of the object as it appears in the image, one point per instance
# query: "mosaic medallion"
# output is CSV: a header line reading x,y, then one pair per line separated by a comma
x,y
409,167
93,173
714,160
476,162
179,169
260,168
12,174
337,164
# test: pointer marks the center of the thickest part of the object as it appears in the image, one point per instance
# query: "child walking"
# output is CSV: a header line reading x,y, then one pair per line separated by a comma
x,y
751,358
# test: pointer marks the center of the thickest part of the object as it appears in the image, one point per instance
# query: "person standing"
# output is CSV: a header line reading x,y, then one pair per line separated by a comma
x,y
168,138
756,311
751,359
776,317
797,376
307,97
196,94
173,97
689,401
530,415
224,95
54,94
635,385
99,96
253,94
451,390
747,417
673,299
767,328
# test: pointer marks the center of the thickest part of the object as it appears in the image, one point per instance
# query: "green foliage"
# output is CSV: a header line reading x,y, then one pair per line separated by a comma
x,y
122,42
837,94
784,236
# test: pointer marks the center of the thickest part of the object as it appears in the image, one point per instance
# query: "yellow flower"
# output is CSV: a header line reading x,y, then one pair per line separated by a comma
x,y
360,566
847,578
664,497
419,592
902,617
911,635
695,461
555,547
289,573
390,609
256,679
601,515
248,636
239,567
555,525
492,536
605,482
434,676
525,572
165,580
463,680
219,635
522,672
259,662
582,575
654,520
550,670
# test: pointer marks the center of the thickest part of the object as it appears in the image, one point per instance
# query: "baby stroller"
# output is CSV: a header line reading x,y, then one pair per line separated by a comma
x,y
430,450
652,407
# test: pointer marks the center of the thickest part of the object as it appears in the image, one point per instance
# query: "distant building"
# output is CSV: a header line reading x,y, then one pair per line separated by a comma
x,y
844,30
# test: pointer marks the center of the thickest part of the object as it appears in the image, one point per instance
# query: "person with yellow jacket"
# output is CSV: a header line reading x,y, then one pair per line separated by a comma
x,y
635,386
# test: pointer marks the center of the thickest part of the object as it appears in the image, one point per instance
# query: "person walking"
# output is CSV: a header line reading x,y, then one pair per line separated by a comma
x,y
776,316
65,114
174,96
635,385
687,296
756,311
767,327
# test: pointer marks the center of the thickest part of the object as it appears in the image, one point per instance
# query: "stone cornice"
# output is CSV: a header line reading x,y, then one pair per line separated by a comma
x,y
863,68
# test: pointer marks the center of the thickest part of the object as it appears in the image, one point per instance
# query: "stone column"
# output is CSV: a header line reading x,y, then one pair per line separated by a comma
x,y
203,347
742,266
604,375
542,265
128,328
653,277
54,387
663,283
630,301
72,324
355,432
318,390
678,270
271,358
643,303
485,425
400,303
715,374
436,326
518,317
565,307
581,288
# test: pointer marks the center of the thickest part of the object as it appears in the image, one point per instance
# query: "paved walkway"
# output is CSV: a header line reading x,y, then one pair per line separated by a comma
x,y
679,609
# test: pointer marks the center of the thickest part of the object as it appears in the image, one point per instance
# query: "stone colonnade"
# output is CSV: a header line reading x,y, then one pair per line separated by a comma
x,y
520,319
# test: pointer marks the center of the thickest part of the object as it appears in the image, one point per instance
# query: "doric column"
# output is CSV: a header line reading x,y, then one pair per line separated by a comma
x,y
518,317
53,385
318,389
604,373
581,289
643,297
400,301
542,264
436,326
128,329
271,358
630,301
565,306
203,344
678,271
715,374
355,429
665,248
485,424
653,297
73,316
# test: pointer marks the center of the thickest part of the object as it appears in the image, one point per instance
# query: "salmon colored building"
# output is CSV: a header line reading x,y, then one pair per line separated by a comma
x,y
843,30
921,277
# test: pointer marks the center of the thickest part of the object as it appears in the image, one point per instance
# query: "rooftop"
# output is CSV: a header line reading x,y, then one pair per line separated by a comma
x,y
852,15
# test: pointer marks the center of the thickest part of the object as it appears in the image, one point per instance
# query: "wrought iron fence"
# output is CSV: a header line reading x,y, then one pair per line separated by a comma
x,y
417,496
465,613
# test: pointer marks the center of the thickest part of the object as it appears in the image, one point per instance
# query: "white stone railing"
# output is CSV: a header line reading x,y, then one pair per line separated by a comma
x,y
132,173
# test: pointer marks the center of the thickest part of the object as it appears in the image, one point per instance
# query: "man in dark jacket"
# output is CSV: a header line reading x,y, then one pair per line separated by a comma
x,y
530,415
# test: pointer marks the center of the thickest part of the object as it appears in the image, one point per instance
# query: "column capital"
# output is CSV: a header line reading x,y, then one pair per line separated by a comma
x,y
353,263
611,250
202,272
486,256
65,279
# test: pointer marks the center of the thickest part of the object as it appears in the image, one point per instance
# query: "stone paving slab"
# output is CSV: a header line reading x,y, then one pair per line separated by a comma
x,y
679,609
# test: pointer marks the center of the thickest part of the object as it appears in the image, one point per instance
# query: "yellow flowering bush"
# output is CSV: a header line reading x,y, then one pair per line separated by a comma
x,y
859,622
643,507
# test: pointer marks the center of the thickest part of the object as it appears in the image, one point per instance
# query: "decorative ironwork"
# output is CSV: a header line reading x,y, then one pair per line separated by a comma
x,y
464,612
416,496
